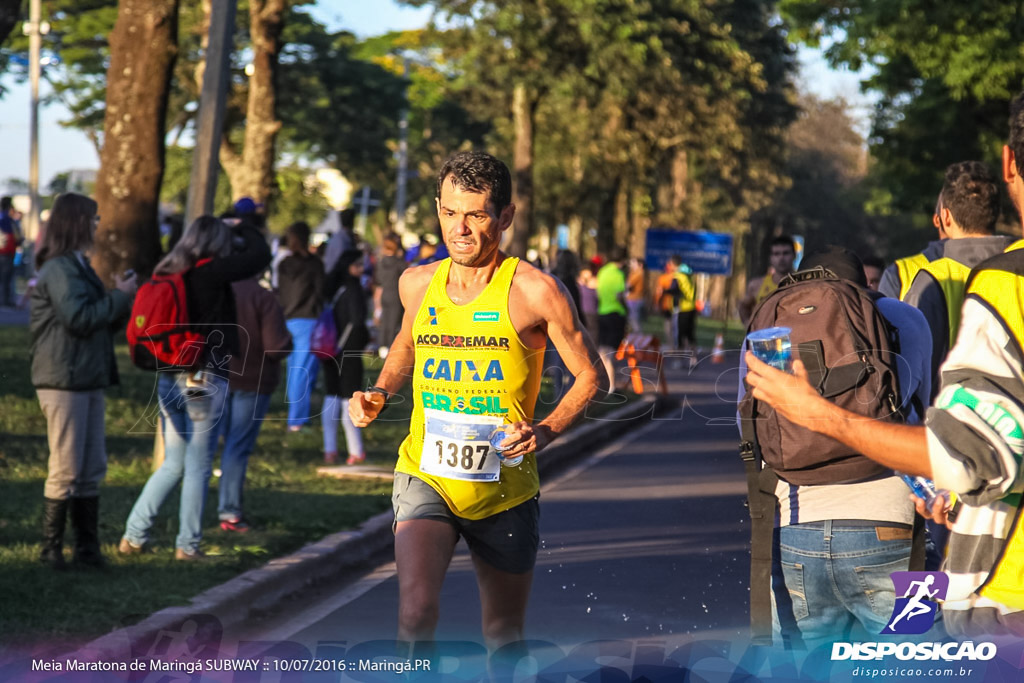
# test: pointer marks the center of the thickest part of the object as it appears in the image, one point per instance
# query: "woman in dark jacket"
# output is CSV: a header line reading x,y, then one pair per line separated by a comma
x,y
72,324
343,374
212,256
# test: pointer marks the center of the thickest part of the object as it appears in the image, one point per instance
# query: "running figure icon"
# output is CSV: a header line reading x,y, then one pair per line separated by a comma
x,y
915,606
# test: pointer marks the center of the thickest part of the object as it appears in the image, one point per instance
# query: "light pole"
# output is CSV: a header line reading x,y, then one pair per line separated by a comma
x,y
216,81
403,156
35,29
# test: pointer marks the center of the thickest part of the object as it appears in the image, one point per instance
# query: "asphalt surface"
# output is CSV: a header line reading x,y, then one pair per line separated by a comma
x,y
644,559
646,539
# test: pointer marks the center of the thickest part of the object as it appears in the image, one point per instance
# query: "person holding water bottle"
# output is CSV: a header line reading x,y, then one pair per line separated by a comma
x,y
473,338
849,524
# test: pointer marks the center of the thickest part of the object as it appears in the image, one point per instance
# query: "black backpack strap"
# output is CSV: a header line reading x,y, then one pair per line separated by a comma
x,y
918,550
761,502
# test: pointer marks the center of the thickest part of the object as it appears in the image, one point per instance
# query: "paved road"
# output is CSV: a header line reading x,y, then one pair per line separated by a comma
x,y
644,543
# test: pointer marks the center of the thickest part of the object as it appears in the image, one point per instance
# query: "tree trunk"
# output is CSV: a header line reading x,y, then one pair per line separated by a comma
x,y
680,177
252,174
623,214
641,221
523,109
143,47
576,234
606,219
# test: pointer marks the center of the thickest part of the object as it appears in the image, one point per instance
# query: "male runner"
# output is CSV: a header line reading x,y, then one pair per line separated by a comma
x,y
780,259
473,339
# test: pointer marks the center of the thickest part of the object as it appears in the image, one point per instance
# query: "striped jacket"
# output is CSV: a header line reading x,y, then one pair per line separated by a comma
x,y
975,444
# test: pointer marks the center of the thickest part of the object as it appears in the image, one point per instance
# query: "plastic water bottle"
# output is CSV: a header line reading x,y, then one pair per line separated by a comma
x,y
497,436
922,487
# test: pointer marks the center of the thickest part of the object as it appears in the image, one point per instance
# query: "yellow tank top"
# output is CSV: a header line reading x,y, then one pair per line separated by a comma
x,y
767,287
471,374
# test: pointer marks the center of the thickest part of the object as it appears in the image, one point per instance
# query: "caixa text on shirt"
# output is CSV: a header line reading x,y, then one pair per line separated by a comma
x,y
458,370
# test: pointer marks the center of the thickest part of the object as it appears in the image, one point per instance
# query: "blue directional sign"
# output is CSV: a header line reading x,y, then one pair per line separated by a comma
x,y
704,252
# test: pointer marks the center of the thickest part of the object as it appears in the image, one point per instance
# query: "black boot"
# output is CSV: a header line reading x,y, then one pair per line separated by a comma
x,y
85,516
54,513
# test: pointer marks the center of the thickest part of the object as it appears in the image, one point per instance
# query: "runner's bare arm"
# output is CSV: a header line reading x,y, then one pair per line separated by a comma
x,y
899,446
547,303
746,305
412,287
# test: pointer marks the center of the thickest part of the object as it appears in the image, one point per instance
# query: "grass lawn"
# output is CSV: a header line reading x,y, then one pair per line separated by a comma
x,y
286,502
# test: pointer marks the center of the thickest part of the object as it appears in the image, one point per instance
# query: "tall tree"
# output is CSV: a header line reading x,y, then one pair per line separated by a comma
x,y
143,47
516,51
944,74
252,171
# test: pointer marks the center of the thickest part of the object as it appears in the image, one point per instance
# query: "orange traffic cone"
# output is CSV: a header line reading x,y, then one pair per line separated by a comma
x,y
718,352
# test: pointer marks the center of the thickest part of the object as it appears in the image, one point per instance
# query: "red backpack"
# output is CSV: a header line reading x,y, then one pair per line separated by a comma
x,y
160,334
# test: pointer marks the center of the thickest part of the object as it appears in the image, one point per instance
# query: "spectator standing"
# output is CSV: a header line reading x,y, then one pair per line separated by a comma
x,y
897,278
874,267
846,527
300,286
967,211
680,296
566,271
970,443
388,310
255,373
343,374
781,256
611,309
10,239
341,241
73,321
192,403
588,295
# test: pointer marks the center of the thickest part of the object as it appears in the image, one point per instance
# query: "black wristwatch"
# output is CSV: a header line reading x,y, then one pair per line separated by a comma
x,y
382,392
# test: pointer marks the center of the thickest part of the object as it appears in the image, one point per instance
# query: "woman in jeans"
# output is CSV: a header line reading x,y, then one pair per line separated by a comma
x,y
212,256
343,374
72,325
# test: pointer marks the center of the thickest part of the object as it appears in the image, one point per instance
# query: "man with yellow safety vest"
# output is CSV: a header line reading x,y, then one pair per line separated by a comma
x,y
968,209
972,442
897,278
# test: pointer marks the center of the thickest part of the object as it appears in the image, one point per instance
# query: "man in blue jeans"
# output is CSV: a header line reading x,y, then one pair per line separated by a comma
x,y
255,374
835,545
300,289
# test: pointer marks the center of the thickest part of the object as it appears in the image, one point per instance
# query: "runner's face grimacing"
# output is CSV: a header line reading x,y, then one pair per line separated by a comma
x,y
470,227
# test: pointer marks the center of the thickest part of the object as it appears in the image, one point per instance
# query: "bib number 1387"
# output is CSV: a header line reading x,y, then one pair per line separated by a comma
x,y
468,457
456,446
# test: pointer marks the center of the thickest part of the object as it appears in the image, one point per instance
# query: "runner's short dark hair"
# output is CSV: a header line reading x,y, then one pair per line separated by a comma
x,y
783,241
971,194
479,172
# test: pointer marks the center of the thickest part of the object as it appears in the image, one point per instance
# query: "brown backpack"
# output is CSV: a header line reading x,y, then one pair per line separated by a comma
x,y
850,351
